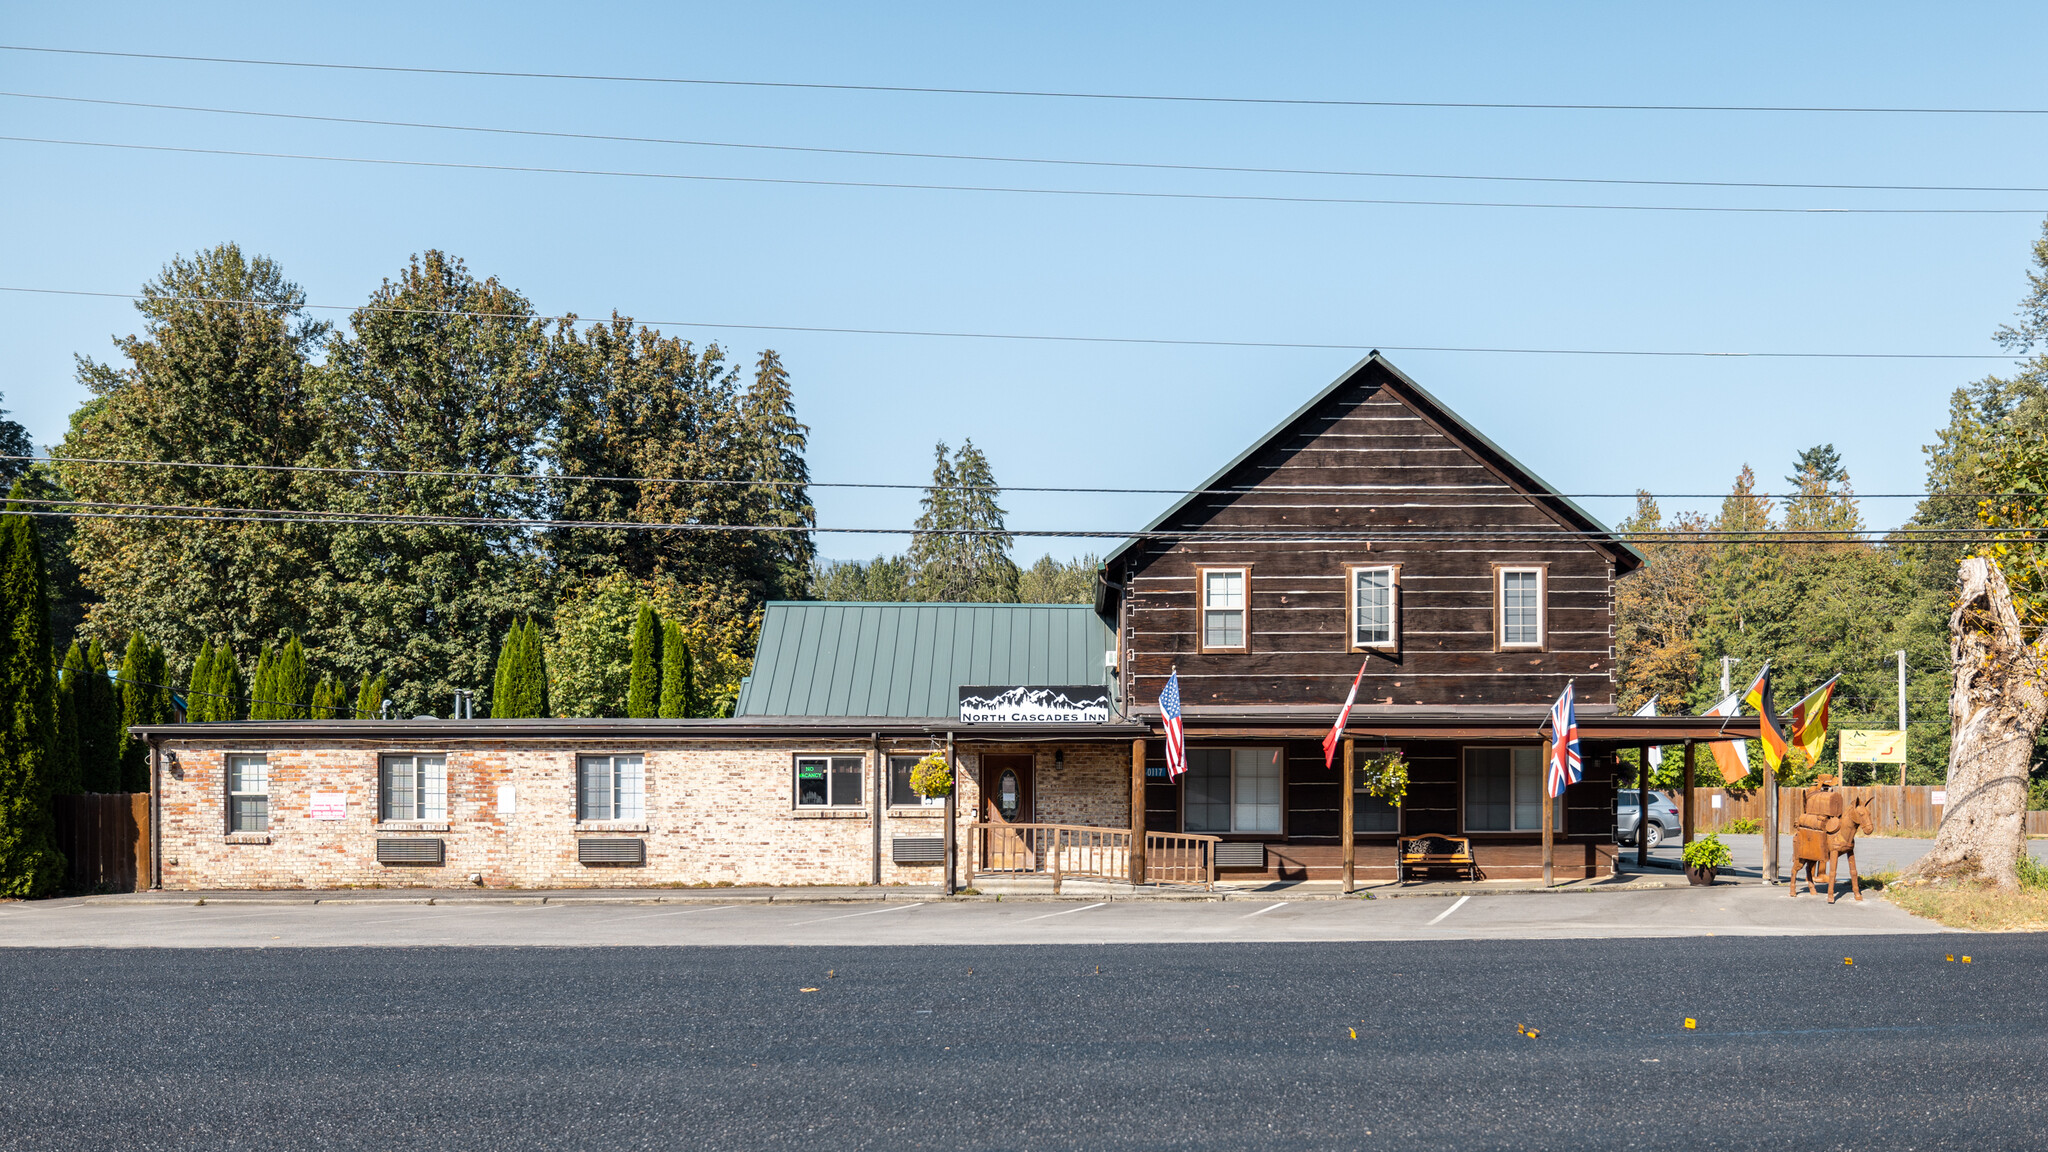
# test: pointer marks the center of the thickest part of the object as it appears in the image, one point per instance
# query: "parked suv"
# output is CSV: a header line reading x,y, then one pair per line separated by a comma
x,y
1663,817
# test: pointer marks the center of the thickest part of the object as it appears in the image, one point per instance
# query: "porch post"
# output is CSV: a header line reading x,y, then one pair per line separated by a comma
x,y
1549,844
1685,834
881,779
1350,824
1770,824
1642,805
1137,811
952,814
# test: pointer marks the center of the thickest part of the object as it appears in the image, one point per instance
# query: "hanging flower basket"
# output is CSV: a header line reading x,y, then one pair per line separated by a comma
x,y
1384,776
932,777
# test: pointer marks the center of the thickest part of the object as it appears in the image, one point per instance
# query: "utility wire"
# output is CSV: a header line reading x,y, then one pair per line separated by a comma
x,y
1025,336
1237,169
1110,193
1040,94
565,478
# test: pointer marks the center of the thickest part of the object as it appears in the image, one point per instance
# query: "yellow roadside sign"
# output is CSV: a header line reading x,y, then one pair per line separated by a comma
x,y
1873,746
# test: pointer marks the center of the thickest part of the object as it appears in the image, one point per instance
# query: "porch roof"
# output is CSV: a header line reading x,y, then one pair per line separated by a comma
x,y
1469,722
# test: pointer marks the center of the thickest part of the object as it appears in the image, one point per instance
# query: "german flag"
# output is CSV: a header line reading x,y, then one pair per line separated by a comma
x,y
1809,720
1769,732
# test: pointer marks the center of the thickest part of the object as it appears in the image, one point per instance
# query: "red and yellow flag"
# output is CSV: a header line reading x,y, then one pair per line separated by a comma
x,y
1808,720
1769,732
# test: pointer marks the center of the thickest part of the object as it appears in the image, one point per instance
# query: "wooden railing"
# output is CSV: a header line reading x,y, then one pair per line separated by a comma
x,y
1077,851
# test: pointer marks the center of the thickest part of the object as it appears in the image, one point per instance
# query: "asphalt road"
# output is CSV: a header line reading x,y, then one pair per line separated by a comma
x,y
1223,1046
592,919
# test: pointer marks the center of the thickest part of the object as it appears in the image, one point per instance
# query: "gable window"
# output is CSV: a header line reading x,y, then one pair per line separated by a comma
x,y
1372,606
828,781
1233,790
1520,596
901,794
248,793
610,788
1223,621
413,788
1504,789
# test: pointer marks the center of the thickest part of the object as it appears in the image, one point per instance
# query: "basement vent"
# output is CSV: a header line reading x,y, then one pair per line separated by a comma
x,y
410,850
1237,855
917,850
611,850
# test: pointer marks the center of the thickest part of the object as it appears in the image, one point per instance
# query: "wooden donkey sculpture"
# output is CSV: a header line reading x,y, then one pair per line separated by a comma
x,y
1826,833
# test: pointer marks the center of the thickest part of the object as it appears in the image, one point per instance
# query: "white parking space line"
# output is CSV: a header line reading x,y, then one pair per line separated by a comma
x,y
1068,912
1451,909
398,919
670,912
850,915
1266,909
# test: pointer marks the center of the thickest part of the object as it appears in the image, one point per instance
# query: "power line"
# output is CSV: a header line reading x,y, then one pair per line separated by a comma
x,y
1110,193
568,478
107,510
1040,94
1040,337
1236,169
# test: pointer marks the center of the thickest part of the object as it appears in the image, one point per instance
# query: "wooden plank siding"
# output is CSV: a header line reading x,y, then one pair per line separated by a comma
x,y
1364,459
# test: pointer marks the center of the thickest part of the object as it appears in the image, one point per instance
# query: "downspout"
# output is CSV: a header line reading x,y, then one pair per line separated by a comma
x,y
881,782
156,817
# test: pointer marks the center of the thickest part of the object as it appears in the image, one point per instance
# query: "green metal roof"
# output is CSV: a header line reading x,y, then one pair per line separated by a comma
x,y
861,659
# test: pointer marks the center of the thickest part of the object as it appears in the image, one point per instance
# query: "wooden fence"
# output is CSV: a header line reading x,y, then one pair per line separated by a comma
x,y
1909,809
105,836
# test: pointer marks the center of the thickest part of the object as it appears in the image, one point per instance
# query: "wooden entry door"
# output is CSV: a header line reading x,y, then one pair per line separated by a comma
x,y
1007,795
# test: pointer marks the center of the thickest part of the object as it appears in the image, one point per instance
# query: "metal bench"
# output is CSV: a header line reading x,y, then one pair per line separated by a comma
x,y
1423,853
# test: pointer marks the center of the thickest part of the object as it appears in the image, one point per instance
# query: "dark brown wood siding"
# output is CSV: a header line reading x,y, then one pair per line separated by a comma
x,y
1364,459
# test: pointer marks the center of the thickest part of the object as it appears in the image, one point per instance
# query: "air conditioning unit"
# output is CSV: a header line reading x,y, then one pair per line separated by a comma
x,y
611,850
410,850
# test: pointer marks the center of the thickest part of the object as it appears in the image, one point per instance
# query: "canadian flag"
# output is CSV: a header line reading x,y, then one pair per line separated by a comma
x,y
1337,733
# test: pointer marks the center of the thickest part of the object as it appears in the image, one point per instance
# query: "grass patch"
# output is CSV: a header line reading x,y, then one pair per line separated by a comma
x,y
1977,907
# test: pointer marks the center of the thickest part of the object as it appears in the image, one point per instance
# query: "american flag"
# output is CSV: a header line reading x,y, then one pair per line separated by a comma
x,y
1564,750
1169,715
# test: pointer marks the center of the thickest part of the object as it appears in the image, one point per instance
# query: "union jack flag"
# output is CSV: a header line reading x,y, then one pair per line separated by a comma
x,y
1176,740
1565,767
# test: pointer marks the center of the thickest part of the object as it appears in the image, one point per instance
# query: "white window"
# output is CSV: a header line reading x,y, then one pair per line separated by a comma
x,y
1233,790
1521,607
414,788
828,781
1504,789
901,794
248,793
1223,608
610,788
1372,607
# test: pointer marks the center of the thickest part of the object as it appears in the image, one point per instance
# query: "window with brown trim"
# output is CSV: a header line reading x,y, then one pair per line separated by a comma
x,y
1225,611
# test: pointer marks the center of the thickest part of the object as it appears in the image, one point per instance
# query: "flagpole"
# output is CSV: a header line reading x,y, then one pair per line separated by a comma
x,y
1549,843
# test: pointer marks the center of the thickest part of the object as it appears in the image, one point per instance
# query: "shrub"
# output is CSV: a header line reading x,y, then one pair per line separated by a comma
x,y
1708,852
1747,826
2033,873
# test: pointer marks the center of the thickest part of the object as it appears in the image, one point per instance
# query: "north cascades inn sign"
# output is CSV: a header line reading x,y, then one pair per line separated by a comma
x,y
1034,704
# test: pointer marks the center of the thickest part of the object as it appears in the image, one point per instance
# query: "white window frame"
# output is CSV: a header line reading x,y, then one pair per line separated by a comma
x,y
1243,608
833,802
625,778
1354,576
1279,761
429,772
1516,821
237,796
1501,572
915,800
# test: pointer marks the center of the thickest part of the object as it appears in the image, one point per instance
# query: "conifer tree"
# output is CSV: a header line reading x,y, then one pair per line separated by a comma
x,y
229,689
143,700
199,700
501,679
67,771
643,688
30,864
294,683
537,669
99,725
370,698
263,694
327,697
961,549
678,692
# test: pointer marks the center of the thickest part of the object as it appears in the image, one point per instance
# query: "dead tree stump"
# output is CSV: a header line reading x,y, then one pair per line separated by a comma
x,y
1995,708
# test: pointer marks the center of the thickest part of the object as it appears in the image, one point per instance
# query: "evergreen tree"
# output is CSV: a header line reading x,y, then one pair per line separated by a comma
x,y
521,691
67,770
229,689
776,440
643,688
263,698
502,707
292,680
536,661
678,692
100,739
30,864
199,702
145,698
590,654
370,698
1051,582
884,579
960,551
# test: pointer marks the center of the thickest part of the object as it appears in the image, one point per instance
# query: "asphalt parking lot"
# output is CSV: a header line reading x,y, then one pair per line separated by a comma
x,y
383,920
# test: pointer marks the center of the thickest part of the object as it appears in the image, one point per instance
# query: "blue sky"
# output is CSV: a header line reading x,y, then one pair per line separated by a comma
x,y
1104,415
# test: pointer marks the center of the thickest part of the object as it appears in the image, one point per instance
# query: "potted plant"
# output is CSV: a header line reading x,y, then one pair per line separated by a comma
x,y
1704,857
932,777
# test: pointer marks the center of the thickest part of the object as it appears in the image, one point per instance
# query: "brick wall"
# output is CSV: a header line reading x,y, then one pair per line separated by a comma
x,y
714,813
